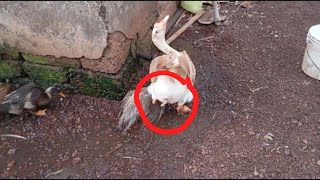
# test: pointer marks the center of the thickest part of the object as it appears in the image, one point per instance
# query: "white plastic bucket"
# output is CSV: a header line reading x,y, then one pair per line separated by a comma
x,y
311,59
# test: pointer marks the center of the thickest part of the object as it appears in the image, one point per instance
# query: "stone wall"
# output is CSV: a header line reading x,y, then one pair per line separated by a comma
x,y
85,46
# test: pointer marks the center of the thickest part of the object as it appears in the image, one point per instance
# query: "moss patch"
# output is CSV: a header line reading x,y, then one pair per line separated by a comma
x,y
95,84
35,59
20,81
45,75
11,52
104,85
64,62
9,69
77,80
51,60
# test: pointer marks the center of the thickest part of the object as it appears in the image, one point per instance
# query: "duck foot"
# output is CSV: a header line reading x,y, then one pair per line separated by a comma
x,y
182,109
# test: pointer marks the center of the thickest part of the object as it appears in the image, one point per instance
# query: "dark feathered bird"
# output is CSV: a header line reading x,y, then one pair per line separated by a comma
x,y
29,97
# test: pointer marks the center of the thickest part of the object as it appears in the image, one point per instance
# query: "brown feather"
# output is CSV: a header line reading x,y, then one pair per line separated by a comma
x,y
164,62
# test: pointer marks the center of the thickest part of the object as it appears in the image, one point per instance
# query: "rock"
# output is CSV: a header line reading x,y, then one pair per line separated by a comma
x,y
113,57
269,136
10,164
226,23
287,152
299,123
76,160
251,132
318,162
261,176
12,151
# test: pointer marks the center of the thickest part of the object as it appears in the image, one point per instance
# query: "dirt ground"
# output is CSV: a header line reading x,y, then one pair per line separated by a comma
x,y
258,114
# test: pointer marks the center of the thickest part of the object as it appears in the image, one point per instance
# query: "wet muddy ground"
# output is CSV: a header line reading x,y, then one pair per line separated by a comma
x,y
258,114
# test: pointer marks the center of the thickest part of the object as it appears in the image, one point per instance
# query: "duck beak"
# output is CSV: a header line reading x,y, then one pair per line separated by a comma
x,y
163,23
62,94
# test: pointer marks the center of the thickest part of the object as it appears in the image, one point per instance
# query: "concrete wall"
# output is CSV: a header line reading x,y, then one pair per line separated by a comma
x,y
79,29
95,36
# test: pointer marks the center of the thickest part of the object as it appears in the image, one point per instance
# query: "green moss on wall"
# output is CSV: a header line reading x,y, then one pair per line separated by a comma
x,y
51,60
102,85
45,75
65,62
35,59
95,84
71,77
9,69
11,52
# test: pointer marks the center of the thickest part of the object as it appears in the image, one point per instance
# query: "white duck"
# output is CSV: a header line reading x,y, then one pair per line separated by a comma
x,y
165,88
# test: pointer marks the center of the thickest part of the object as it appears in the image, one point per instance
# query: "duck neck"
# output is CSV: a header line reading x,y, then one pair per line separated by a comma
x,y
162,45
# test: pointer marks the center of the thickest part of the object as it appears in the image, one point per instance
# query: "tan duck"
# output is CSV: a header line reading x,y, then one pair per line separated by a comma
x,y
163,88
29,97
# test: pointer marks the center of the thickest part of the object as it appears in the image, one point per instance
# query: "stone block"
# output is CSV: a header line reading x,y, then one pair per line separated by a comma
x,y
113,56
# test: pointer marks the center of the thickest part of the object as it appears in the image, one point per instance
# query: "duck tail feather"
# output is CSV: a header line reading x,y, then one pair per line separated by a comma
x,y
4,108
129,114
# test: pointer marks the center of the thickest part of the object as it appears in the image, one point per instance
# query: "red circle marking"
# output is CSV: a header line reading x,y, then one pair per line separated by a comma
x,y
145,118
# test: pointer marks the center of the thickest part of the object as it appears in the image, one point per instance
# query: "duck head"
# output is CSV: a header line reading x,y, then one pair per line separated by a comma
x,y
159,30
53,90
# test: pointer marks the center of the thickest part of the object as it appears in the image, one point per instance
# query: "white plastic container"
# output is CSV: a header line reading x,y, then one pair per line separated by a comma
x,y
311,59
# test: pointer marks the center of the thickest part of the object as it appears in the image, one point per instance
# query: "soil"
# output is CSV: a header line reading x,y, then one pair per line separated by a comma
x,y
258,113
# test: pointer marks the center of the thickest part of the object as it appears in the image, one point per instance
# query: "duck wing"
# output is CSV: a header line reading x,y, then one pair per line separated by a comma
x,y
160,62
28,96
188,66
19,94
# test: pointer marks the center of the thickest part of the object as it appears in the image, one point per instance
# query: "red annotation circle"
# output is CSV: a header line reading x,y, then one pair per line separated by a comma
x,y
145,118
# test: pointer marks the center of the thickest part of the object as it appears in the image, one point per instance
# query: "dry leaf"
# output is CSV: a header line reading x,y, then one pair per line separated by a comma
x,y
247,4
41,113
